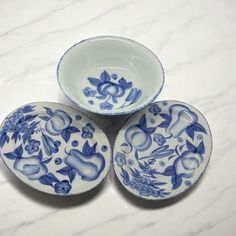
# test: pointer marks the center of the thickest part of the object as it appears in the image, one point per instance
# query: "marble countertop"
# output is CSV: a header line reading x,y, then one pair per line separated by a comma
x,y
196,42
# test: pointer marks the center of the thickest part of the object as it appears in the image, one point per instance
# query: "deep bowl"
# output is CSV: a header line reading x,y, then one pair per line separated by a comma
x,y
110,75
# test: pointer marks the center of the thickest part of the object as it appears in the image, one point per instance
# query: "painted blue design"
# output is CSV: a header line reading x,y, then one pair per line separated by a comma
x,y
58,161
104,148
78,117
57,143
88,92
58,122
33,167
120,159
32,147
138,136
88,164
87,131
159,139
75,143
62,187
35,137
19,125
110,89
154,109
130,162
178,160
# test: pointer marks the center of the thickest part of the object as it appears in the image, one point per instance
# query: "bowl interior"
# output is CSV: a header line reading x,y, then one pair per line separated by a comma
x,y
110,75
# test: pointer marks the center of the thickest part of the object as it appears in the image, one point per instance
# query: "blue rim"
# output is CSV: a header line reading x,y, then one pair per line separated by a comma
x,y
110,113
70,194
173,196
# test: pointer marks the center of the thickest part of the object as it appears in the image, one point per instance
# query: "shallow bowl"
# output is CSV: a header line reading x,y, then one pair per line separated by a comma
x,y
110,75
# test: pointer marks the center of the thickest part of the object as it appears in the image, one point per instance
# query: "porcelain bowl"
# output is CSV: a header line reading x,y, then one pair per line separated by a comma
x,y
110,75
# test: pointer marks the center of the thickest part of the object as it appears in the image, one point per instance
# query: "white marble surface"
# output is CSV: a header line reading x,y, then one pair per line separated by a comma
x,y
196,42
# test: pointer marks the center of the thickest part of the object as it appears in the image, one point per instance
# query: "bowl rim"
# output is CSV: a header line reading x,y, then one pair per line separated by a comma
x,y
137,108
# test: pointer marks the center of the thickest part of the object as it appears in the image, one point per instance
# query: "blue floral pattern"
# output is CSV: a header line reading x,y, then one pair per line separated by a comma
x,y
109,90
32,147
161,164
31,138
87,131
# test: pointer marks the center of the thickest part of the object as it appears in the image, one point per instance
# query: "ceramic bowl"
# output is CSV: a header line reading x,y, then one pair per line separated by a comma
x,y
54,148
110,75
162,150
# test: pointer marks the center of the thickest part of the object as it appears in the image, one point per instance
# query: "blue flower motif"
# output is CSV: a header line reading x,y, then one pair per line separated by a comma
x,y
120,159
105,106
159,139
154,109
88,92
63,187
109,88
87,131
32,147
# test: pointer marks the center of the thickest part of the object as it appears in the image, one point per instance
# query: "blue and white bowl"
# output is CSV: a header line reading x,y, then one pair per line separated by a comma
x,y
54,148
162,150
110,75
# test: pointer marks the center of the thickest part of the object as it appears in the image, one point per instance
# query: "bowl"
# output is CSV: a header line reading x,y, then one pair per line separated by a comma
x,y
110,75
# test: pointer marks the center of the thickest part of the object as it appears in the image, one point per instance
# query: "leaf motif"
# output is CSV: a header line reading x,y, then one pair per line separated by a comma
x,y
135,172
71,175
201,148
30,117
73,129
4,139
169,171
11,155
164,124
199,128
93,149
28,108
143,122
94,81
49,111
124,174
176,181
64,171
15,136
150,130
26,137
165,116
131,95
46,161
46,180
52,177
191,147
105,76
19,151
136,155
86,149
65,134
190,132
137,96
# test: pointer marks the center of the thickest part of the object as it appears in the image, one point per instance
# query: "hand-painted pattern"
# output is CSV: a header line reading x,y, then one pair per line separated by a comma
x,y
159,157
112,92
38,140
